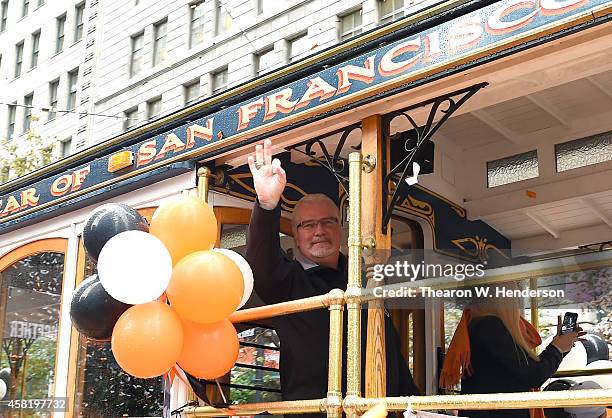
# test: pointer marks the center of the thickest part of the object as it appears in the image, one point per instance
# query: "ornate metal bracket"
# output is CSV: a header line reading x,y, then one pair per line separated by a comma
x,y
334,163
420,138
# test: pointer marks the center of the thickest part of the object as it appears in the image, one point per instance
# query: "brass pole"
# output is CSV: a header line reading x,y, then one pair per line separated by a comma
x,y
204,176
535,320
353,290
582,372
333,403
283,308
284,407
518,400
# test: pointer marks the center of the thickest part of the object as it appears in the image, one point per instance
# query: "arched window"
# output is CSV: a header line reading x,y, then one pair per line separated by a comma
x,y
31,279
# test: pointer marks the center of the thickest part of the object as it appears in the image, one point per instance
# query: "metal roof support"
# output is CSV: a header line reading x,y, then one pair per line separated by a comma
x,y
442,107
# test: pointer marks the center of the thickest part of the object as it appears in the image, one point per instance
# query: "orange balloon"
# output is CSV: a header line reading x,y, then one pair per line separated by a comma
x,y
185,225
147,339
209,350
205,287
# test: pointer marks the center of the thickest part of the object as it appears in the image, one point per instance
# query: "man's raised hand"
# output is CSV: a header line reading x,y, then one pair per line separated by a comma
x,y
268,176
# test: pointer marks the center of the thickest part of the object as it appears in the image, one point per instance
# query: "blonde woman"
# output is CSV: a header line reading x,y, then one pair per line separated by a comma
x,y
496,353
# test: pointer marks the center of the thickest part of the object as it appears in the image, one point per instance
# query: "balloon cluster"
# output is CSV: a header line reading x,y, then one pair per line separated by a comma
x,y
162,294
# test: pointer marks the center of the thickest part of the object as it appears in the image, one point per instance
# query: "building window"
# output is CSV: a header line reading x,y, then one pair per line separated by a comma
x,y
264,61
59,40
53,87
12,114
78,21
351,24
40,3
154,108
219,80
130,118
72,88
25,8
65,147
192,92
512,169
583,152
224,19
159,44
27,112
264,6
196,31
35,47
391,10
298,46
136,55
18,58
3,15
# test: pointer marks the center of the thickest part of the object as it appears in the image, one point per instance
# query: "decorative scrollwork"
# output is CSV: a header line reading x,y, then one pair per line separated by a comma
x,y
414,142
333,162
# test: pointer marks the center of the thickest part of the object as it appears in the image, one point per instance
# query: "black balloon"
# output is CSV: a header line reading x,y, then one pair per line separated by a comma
x,y
5,374
93,311
596,348
107,221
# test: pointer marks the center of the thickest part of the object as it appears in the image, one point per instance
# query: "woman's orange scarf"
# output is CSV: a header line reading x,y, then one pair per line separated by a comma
x,y
457,360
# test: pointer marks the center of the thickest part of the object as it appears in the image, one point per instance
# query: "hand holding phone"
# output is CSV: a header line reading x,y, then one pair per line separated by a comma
x,y
570,323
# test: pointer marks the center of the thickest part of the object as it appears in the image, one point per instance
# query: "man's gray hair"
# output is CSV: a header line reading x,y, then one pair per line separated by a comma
x,y
309,199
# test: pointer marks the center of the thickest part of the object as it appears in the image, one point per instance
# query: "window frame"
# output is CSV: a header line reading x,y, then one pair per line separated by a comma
x,y
258,57
3,15
355,30
159,42
221,11
60,33
290,41
79,12
393,15
35,40
53,99
186,89
127,114
221,87
71,100
196,6
150,104
136,53
28,100
19,58
11,120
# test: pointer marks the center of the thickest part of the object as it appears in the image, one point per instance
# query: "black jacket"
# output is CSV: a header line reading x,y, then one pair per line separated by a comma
x,y
501,366
305,336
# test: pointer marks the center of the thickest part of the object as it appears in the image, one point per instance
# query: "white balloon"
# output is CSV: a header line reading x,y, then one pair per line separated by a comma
x,y
134,267
245,269
2,389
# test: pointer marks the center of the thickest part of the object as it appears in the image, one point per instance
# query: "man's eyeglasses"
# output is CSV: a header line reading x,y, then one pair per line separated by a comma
x,y
311,224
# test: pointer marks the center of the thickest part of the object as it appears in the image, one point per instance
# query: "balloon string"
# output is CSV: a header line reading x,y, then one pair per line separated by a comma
x,y
221,390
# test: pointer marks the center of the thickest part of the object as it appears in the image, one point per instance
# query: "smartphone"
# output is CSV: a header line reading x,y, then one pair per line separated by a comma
x,y
570,322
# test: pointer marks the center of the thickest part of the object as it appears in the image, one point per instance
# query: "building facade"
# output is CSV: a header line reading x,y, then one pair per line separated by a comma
x,y
78,73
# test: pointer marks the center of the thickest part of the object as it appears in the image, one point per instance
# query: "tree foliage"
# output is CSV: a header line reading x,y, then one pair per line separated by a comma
x,y
19,156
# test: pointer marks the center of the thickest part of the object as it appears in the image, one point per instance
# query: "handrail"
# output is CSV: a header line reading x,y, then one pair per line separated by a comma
x,y
283,308
582,372
517,400
283,407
